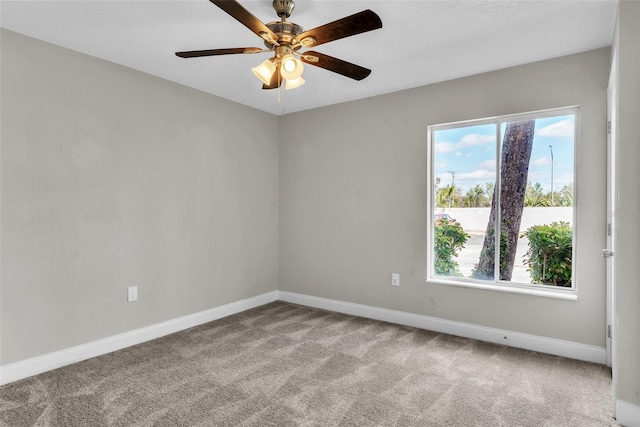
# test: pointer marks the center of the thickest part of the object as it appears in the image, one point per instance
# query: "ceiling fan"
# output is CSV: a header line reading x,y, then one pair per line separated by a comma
x,y
284,39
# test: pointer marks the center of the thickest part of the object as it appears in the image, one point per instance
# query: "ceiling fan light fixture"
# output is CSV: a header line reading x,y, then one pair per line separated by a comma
x,y
292,84
265,71
283,39
291,68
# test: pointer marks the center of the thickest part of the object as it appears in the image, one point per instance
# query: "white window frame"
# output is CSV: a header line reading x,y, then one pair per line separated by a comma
x,y
501,285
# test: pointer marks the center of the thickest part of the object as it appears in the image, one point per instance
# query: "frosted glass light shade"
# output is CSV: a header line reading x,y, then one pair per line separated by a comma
x,y
292,67
265,71
292,84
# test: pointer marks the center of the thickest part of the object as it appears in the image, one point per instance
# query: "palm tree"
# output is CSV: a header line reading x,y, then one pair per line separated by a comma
x,y
534,196
475,197
446,196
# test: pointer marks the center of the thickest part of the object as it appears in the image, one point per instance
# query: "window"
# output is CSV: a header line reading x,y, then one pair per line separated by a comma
x,y
514,174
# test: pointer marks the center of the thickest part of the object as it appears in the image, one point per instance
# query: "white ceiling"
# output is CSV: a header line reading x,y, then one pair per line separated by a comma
x,y
421,42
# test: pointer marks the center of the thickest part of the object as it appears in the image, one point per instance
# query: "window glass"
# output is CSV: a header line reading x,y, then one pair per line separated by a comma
x,y
513,174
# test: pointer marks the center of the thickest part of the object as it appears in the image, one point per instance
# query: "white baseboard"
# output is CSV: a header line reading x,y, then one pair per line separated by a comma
x,y
36,365
26,368
627,414
514,339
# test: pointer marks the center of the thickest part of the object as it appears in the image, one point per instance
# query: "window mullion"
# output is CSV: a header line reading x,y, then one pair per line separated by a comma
x,y
496,225
458,251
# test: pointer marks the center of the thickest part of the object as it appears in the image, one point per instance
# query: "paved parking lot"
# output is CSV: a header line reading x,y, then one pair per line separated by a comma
x,y
474,221
469,256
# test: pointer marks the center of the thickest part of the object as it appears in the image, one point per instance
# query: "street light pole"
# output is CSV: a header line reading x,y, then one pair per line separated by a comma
x,y
453,186
453,178
551,149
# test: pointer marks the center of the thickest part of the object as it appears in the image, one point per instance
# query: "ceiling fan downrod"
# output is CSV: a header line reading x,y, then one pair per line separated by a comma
x,y
283,8
284,39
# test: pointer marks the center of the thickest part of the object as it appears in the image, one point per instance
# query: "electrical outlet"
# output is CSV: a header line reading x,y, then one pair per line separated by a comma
x,y
132,293
395,279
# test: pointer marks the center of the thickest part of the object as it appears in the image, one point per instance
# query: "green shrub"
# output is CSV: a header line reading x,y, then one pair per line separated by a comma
x,y
449,239
549,255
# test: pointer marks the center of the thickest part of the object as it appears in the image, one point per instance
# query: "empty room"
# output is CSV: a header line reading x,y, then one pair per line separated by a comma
x,y
320,213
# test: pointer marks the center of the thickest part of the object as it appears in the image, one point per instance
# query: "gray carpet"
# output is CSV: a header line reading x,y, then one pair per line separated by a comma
x,y
287,365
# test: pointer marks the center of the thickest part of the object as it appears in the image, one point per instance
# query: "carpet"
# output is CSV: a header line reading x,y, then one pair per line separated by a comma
x,y
283,364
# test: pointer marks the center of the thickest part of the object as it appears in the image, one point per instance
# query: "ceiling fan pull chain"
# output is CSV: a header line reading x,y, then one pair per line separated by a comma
x,y
281,89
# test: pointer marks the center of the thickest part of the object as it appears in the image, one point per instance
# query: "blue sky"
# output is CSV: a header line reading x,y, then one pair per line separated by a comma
x,y
468,154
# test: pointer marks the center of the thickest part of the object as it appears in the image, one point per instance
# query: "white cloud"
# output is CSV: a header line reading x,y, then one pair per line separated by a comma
x,y
476,139
470,140
562,180
542,161
458,153
489,164
477,174
535,176
561,129
444,147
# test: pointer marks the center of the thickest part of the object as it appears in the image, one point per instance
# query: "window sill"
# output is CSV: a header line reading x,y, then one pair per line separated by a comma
x,y
566,294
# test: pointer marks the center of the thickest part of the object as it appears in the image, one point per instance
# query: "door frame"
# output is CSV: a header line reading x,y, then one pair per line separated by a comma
x,y
611,230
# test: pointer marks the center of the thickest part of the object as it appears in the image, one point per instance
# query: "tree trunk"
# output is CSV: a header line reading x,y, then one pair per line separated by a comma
x,y
514,171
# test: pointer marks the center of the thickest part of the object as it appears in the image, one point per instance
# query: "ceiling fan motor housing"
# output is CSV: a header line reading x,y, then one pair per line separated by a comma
x,y
283,39
286,31
283,7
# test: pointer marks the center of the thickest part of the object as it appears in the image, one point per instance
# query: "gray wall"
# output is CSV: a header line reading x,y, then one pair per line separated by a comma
x,y
353,197
112,178
627,252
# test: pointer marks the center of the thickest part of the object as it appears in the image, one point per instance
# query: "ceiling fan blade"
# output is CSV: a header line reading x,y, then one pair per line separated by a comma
x,y
247,19
336,65
360,22
214,52
276,81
